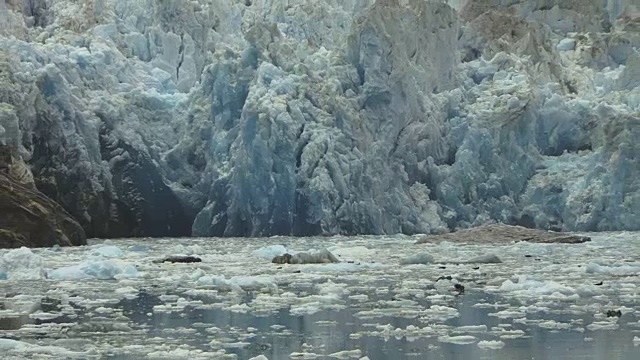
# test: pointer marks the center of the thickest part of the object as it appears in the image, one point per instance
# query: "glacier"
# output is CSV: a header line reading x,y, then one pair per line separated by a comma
x,y
309,117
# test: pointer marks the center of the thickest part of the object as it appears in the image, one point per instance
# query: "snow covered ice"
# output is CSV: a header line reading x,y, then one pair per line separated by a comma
x,y
262,118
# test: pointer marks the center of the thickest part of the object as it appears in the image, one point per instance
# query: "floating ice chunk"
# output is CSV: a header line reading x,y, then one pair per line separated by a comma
x,y
107,251
259,357
485,259
303,355
44,315
23,348
490,344
551,324
509,314
528,287
21,264
103,270
352,251
138,248
253,282
346,354
185,354
332,288
219,282
128,292
471,329
622,270
311,304
340,267
439,313
186,250
422,258
269,252
636,341
459,340
482,259
602,325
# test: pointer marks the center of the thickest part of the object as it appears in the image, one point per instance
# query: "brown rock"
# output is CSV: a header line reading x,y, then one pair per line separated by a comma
x,y
500,234
28,218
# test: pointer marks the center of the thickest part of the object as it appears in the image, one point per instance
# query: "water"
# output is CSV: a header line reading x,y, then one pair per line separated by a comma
x,y
237,305
330,331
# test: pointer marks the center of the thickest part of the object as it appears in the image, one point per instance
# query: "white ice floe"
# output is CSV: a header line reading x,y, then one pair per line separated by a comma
x,y
346,354
21,264
15,348
269,252
619,270
491,344
303,355
107,251
603,325
527,287
471,329
99,269
460,340
438,313
420,258
554,325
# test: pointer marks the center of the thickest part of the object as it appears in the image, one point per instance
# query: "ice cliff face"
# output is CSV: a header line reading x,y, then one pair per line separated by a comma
x,y
263,117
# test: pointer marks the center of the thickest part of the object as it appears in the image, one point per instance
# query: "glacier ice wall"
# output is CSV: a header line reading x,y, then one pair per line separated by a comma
x,y
264,117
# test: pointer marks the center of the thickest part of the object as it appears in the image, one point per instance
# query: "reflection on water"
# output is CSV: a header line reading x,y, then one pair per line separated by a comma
x,y
329,331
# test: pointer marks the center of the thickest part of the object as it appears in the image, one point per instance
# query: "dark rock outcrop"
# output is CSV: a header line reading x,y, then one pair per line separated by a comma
x,y
320,257
31,219
178,259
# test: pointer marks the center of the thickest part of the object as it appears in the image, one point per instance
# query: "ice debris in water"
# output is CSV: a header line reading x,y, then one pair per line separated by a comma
x,y
107,251
622,270
530,287
269,252
9,346
422,258
491,344
21,264
320,257
95,269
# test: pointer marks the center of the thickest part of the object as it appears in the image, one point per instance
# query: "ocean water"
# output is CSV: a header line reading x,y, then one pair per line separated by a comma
x,y
110,300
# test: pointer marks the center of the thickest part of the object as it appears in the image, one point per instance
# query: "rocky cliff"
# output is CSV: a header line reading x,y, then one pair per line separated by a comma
x,y
264,117
28,218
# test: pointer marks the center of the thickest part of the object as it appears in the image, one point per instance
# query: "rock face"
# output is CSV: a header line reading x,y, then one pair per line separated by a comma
x,y
265,117
28,217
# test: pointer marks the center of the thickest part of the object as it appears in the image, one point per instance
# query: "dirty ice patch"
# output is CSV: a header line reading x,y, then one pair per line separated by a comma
x,y
269,252
98,269
21,264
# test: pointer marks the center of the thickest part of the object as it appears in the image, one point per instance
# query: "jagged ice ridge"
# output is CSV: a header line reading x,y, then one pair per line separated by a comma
x,y
265,117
